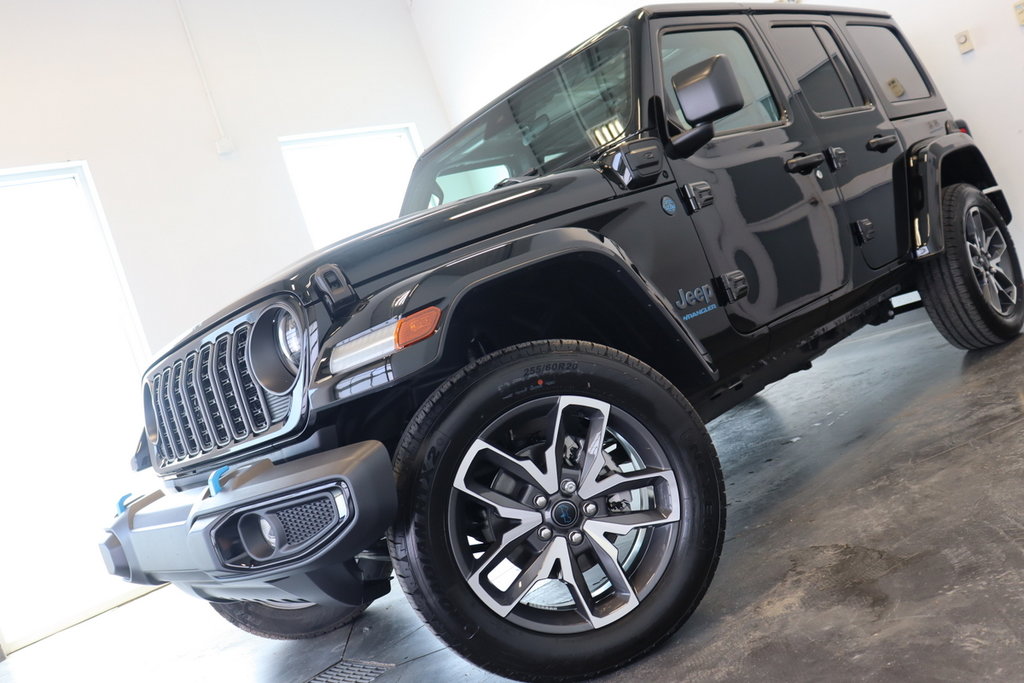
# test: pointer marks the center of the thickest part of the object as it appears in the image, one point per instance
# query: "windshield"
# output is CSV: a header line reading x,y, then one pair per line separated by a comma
x,y
553,120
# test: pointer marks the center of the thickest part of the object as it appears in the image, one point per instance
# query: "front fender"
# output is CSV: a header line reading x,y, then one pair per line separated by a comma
x,y
932,165
446,285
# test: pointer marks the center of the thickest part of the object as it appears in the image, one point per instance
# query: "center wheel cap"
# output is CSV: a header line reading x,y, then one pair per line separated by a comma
x,y
565,514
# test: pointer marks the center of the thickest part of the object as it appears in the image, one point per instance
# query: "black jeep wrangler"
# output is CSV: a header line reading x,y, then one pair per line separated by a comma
x,y
501,396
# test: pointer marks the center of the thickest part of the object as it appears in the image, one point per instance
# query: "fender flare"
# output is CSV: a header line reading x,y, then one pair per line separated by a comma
x,y
926,180
446,285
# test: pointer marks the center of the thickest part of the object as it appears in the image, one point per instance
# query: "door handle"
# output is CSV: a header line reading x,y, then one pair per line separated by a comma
x,y
881,143
805,163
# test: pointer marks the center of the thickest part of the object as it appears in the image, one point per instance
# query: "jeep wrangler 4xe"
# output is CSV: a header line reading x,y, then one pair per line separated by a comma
x,y
500,397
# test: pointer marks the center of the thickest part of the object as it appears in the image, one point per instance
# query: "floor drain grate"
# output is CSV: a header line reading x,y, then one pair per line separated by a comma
x,y
351,672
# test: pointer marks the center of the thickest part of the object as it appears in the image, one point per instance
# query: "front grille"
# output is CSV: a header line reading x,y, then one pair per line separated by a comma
x,y
205,400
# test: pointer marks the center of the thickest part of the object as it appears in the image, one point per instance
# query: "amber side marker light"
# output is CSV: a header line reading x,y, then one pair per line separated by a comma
x,y
383,340
417,327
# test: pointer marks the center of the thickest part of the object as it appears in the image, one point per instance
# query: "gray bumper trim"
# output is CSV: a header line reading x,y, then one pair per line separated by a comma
x,y
166,536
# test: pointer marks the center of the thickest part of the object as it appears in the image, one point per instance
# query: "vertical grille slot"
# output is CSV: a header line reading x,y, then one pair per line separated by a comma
x,y
164,446
195,403
226,385
167,410
186,427
251,394
210,397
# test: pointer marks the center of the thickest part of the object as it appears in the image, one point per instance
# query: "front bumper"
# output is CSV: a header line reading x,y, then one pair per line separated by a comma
x,y
334,505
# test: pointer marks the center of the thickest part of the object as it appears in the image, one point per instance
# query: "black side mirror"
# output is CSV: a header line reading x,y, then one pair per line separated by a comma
x,y
706,92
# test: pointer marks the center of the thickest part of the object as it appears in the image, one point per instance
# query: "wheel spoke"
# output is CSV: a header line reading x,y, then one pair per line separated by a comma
x,y
630,521
524,469
608,557
976,230
992,294
594,458
1005,285
573,578
507,508
593,455
539,567
619,482
996,246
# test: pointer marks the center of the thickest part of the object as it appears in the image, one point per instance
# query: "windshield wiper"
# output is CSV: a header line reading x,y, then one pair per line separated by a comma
x,y
517,179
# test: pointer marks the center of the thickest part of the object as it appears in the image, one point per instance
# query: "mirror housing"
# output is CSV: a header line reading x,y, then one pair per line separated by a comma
x,y
706,92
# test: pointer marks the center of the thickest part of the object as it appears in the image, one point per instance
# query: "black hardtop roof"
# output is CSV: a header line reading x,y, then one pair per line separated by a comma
x,y
653,11
648,12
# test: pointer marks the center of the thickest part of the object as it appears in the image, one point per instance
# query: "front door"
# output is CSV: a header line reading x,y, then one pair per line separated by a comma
x,y
859,141
777,226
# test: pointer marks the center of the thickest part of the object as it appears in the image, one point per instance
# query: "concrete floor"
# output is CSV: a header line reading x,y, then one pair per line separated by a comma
x,y
876,532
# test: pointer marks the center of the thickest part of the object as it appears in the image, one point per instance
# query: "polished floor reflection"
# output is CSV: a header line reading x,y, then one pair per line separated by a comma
x,y
876,532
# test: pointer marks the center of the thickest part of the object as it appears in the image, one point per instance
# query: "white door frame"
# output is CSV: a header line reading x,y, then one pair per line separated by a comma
x,y
79,171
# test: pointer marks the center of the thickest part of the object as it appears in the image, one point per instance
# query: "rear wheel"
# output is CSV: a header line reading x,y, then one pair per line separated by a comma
x,y
286,621
561,510
973,290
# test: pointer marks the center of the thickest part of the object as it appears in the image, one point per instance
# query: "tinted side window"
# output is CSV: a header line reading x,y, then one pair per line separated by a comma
x,y
887,58
828,41
812,57
686,48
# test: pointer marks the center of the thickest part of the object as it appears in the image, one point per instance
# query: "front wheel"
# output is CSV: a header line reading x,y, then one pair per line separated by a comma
x,y
562,510
973,290
286,621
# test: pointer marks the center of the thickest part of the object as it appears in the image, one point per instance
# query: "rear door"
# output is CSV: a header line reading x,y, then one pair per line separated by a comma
x,y
778,227
859,141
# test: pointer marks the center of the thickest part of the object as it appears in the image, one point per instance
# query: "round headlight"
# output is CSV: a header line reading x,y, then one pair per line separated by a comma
x,y
289,341
275,348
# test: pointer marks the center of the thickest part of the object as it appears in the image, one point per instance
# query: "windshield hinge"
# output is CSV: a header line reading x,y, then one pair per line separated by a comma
x,y
334,288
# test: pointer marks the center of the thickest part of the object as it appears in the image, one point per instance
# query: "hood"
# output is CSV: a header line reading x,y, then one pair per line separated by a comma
x,y
425,236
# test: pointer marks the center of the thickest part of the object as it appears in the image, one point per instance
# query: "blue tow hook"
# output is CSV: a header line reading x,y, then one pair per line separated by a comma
x,y
121,506
214,481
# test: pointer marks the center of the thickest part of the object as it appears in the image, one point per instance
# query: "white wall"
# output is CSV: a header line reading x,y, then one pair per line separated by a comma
x,y
113,82
478,50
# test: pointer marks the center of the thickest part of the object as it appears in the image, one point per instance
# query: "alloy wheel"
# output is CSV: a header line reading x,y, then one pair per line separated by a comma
x,y
562,513
991,261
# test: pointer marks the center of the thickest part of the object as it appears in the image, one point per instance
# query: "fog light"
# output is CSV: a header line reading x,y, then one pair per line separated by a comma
x,y
261,534
269,533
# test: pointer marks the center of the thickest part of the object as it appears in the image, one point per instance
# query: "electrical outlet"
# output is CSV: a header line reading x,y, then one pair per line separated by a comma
x,y
1019,9
896,88
964,42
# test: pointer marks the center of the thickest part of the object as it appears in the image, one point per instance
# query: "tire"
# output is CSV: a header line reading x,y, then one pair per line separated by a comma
x,y
480,482
973,290
286,623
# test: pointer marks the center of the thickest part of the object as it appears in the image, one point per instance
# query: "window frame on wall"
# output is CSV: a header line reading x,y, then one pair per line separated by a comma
x,y
324,138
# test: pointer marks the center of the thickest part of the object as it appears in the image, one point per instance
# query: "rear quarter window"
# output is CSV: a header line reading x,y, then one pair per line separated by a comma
x,y
887,58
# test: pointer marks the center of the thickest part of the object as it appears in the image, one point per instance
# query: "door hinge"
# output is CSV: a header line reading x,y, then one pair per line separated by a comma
x,y
731,286
836,158
698,196
863,231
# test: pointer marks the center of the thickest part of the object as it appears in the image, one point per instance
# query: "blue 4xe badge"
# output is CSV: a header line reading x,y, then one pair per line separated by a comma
x,y
694,297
